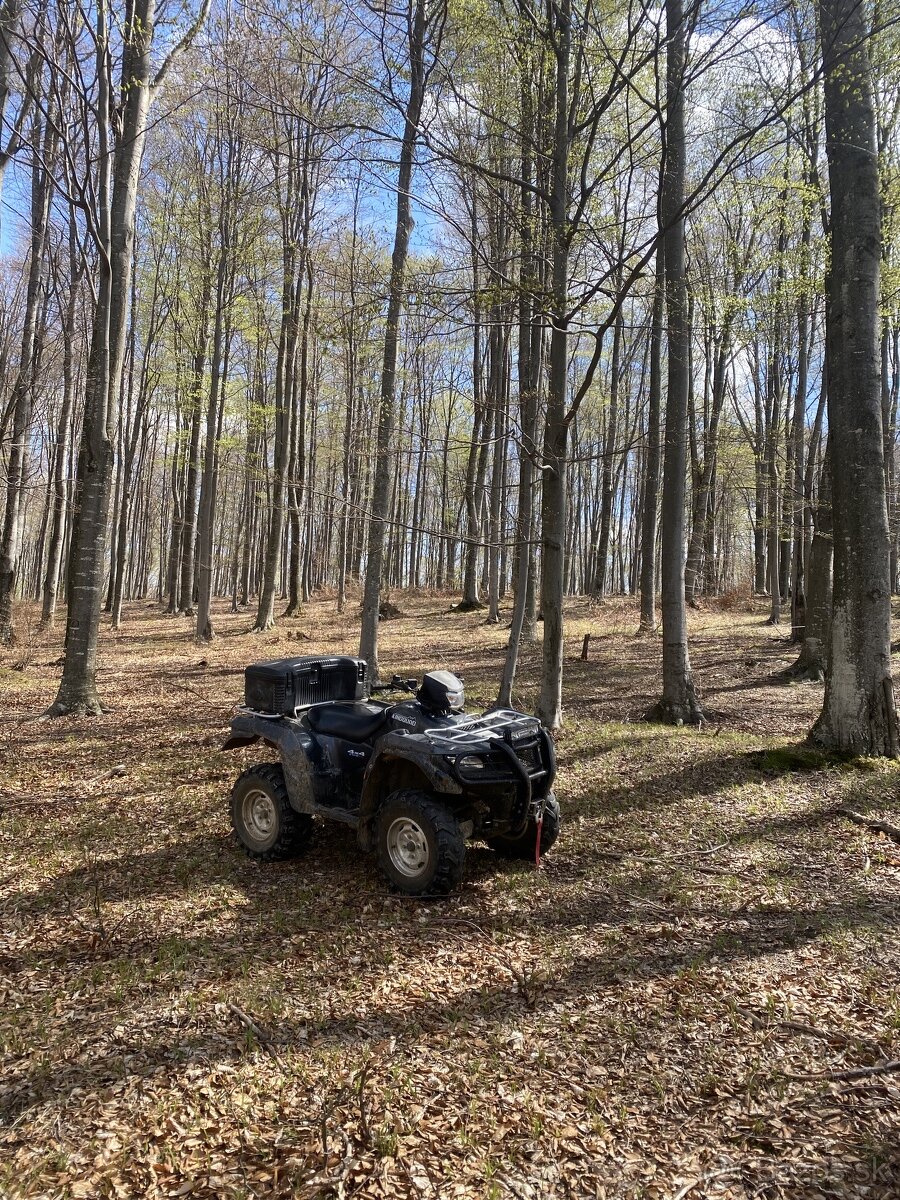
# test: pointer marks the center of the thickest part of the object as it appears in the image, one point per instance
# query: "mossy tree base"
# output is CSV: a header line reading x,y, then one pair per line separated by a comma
x,y
467,606
676,712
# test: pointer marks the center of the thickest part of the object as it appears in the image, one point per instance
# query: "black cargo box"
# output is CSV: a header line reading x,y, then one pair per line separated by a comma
x,y
286,684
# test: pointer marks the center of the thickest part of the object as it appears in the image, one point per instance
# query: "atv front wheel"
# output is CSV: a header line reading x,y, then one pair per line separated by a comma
x,y
420,846
524,845
261,815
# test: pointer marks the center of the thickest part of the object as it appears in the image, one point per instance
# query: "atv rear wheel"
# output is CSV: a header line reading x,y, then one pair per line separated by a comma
x,y
420,845
524,845
261,815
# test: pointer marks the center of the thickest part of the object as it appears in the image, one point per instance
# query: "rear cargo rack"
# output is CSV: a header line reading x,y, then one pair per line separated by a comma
x,y
255,712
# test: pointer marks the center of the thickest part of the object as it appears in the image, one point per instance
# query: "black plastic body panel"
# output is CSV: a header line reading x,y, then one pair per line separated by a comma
x,y
296,749
284,685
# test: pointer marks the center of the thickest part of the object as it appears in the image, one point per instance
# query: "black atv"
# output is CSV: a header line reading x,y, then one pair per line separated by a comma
x,y
415,777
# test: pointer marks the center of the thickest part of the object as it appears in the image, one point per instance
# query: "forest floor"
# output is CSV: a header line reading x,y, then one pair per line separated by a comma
x,y
663,1010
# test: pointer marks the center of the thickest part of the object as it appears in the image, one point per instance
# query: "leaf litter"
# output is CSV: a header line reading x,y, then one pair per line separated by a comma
x,y
697,995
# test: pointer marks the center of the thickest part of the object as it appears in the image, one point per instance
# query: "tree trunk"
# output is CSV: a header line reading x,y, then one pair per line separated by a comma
x,y
476,467
285,393
607,470
209,480
703,491
678,703
117,197
798,576
61,449
131,435
650,504
759,472
812,661
192,482
553,492
528,373
176,533
10,15
858,715
381,492
23,390
500,387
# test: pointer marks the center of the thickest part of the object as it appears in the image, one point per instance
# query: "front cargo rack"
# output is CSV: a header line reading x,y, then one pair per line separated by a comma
x,y
503,725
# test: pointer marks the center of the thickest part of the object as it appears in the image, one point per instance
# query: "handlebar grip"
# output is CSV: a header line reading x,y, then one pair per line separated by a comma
x,y
396,685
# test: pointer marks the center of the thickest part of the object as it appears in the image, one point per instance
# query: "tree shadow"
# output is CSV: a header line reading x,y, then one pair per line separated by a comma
x,y
872,796
701,777
720,774
212,1037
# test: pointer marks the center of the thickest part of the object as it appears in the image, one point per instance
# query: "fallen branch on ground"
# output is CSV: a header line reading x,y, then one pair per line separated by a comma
x,y
700,853
885,827
186,687
522,978
674,861
261,1036
853,1073
759,1021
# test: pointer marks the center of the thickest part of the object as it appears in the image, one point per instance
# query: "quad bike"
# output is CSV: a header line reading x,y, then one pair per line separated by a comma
x,y
416,777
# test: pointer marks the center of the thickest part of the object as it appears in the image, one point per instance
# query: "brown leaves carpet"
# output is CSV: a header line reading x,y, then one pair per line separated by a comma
x,y
697,995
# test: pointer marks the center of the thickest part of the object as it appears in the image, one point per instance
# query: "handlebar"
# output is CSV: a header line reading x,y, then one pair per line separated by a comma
x,y
396,685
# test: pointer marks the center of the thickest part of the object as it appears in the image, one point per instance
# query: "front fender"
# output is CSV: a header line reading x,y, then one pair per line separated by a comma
x,y
400,760
295,749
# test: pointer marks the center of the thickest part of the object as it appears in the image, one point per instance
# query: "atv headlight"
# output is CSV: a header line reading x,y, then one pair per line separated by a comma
x,y
441,692
470,763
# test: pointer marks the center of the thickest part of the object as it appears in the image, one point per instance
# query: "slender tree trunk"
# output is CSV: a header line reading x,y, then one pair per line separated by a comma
x,y
176,538
679,702
650,504
210,476
773,501
759,475
23,390
61,449
133,435
528,374
284,396
704,483
192,480
384,459
10,14
553,496
500,376
599,587
812,661
798,429
299,490
476,466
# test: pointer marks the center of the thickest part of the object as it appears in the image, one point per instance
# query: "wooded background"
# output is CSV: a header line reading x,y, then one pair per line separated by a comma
x,y
319,295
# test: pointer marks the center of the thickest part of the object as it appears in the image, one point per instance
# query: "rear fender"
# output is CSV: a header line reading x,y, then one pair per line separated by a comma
x,y
295,749
395,768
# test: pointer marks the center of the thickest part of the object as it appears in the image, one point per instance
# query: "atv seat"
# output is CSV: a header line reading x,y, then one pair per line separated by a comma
x,y
353,722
